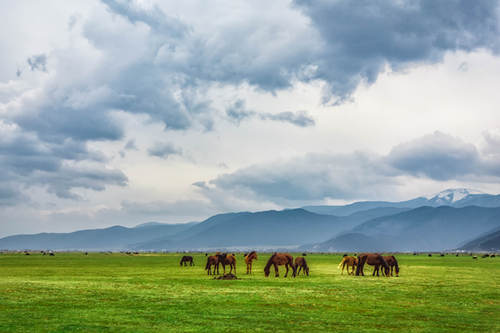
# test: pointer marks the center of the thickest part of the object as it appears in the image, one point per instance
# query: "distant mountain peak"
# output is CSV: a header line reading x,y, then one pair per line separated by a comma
x,y
453,195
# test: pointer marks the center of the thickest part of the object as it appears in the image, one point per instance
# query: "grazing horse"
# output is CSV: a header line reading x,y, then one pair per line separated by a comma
x,y
227,259
212,261
187,259
301,263
393,264
372,259
348,261
278,259
248,260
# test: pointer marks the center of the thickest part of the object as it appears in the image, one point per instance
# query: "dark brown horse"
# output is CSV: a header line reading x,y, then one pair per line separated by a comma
x,y
301,263
278,259
393,264
212,261
248,260
187,259
227,259
348,261
373,259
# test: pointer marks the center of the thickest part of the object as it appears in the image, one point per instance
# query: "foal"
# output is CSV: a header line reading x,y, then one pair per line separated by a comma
x,y
301,263
187,259
248,260
348,261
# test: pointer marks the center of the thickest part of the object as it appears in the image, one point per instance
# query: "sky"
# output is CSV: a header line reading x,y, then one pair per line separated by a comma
x,y
123,112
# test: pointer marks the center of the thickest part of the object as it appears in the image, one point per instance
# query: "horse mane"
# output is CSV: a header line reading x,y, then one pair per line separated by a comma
x,y
270,262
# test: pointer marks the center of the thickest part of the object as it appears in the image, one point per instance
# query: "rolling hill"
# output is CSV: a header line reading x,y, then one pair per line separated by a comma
x,y
421,229
113,238
261,229
490,241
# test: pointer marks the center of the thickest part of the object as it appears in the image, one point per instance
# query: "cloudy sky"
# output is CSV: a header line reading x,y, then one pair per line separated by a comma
x,y
122,112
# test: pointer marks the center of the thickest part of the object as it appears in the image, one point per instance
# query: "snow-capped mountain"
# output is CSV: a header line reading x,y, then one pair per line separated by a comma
x,y
452,196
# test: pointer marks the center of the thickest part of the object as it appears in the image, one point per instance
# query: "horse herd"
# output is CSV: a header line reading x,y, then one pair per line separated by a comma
x,y
356,263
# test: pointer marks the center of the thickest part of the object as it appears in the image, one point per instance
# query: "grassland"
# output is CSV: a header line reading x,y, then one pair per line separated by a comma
x,y
150,293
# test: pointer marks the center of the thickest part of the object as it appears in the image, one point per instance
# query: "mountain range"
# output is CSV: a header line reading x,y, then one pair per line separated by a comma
x,y
446,220
489,241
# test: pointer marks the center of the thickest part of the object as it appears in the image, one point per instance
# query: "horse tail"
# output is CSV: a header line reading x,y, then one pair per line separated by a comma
x,y
342,262
207,266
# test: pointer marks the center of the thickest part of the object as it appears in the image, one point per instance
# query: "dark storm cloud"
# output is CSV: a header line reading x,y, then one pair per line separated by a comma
x,y
237,112
164,150
81,124
438,156
362,37
442,157
27,161
311,177
67,178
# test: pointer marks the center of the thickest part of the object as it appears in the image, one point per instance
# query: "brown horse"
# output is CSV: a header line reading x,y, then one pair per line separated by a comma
x,y
227,259
348,261
278,259
301,263
212,261
393,264
187,259
372,259
248,260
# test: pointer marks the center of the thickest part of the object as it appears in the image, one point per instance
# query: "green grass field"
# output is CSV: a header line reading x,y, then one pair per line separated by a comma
x,y
150,293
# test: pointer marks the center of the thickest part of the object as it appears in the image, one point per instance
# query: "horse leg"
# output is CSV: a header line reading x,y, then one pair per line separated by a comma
x,y
300,267
286,266
276,270
359,268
